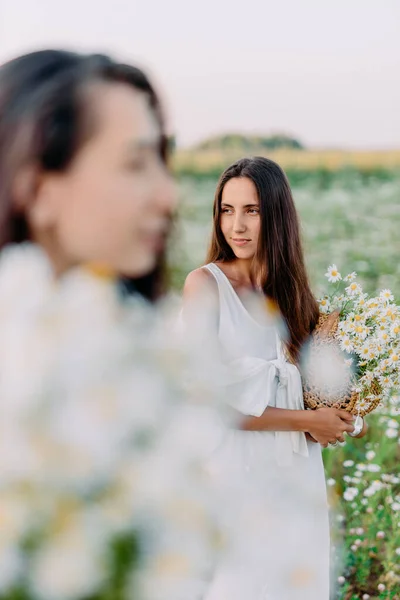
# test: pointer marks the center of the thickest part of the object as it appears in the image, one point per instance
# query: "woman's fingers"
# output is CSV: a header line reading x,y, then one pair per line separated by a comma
x,y
349,427
344,415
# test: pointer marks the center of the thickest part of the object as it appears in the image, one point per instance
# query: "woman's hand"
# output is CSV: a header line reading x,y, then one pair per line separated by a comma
x,y
328,425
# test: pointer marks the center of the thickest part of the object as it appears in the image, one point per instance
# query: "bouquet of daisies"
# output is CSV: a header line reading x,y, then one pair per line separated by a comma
x,y
364,332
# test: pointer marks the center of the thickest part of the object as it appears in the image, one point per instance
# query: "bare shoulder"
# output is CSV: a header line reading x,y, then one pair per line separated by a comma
x,y
198,282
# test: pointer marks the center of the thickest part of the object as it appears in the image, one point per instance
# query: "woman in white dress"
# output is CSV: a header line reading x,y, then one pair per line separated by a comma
x,y
272,458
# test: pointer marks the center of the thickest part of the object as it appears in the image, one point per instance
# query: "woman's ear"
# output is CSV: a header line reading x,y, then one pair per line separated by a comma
x,y
23,188
32,196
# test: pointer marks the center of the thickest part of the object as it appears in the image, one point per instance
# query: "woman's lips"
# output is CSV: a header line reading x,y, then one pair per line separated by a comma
x,y
240,241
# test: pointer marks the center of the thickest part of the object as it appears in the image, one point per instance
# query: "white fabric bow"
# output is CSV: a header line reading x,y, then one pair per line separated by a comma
x,y
254,383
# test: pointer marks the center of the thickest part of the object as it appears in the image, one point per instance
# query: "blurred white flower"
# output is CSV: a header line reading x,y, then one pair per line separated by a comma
x,y
325,305
386,295
333,274
95,441
381,587
380,535
350,277
354,289
374,468
350,493
391,433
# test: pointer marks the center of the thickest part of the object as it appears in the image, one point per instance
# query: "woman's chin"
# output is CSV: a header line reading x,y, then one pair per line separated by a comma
x,y
243,254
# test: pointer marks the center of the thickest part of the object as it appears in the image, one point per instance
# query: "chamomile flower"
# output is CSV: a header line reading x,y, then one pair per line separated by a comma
x,y
361,331
324,305
364,351
385,381
345,344
353,289
383,335
394,358
358,318
346,326
333,274
386,295
395,329
350,276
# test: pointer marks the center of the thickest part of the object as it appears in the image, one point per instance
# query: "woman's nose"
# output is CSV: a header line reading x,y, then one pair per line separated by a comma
x,y
239,224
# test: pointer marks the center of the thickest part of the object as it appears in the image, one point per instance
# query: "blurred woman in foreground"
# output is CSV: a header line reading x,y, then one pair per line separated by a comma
x,y
89,469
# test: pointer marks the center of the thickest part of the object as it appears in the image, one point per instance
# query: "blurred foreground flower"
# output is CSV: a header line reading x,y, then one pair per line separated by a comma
x,y
102,494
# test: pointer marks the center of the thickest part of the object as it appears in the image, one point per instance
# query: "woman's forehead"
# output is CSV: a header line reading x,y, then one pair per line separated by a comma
x,y
123,112
240,190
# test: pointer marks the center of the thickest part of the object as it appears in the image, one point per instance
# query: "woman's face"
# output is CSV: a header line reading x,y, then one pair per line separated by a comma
x,y
240,216
113,205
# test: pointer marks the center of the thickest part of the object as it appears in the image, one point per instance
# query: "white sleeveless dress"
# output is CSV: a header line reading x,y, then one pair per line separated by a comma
x,y
280,537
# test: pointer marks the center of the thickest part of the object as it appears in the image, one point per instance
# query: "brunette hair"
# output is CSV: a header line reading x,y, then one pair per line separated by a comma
x,y
44,121
278,265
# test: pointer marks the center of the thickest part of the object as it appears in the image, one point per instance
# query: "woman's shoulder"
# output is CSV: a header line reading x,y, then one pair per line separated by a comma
x,y
199,281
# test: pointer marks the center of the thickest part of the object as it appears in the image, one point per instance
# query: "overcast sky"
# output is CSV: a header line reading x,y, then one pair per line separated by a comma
x,y
327,71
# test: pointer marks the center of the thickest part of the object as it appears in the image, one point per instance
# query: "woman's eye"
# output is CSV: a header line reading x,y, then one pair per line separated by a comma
x,y
226,210
254,211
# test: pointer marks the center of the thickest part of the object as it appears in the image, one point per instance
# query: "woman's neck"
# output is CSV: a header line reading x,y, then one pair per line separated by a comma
x,y
240,271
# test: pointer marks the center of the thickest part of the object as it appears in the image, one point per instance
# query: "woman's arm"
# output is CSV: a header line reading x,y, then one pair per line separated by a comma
x,y
325,425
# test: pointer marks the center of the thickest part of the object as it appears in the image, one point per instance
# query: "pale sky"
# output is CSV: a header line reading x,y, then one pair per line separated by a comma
x,y
327,71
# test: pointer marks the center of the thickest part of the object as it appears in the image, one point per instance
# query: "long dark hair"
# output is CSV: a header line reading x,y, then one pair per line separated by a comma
x,y
279,263
44,120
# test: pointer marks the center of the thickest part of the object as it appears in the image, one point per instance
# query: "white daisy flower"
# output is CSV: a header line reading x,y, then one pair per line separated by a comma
x,y
354,289
324,305
350,494
383,336
386,295
333,274
345,344
385,381
394,358
395,329
391,433
361,331
350,276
